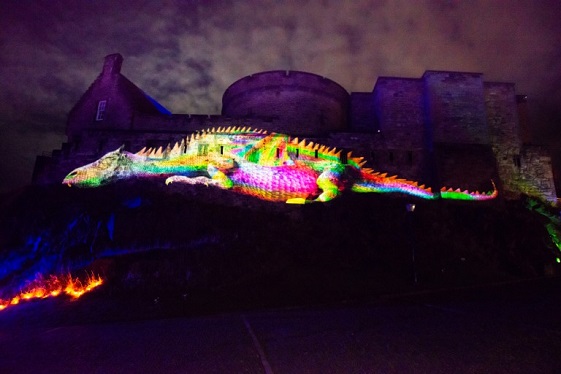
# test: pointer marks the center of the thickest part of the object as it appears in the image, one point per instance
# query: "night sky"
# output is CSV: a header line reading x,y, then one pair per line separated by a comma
x,y
186,53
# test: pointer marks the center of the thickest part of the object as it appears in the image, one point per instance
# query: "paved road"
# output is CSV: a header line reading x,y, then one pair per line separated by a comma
x,y
507,329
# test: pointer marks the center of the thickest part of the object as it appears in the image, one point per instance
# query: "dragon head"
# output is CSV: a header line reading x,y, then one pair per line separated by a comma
x,y
103,171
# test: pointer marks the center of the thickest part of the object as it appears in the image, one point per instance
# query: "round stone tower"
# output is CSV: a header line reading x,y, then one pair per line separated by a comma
x,y
296,103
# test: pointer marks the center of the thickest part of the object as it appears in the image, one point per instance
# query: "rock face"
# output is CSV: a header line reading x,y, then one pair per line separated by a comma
x,y
207,242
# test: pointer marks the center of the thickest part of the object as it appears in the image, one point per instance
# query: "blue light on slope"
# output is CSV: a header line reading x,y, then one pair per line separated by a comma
x,y
158,106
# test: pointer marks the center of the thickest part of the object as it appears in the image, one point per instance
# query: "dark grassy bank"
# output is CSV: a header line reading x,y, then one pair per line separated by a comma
x,y
195,248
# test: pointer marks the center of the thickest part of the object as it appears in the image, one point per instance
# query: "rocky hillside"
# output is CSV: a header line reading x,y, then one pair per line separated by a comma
x,y
213,246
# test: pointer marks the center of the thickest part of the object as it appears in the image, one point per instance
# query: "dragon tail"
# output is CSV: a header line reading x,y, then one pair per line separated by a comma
x,y
449,193
381,183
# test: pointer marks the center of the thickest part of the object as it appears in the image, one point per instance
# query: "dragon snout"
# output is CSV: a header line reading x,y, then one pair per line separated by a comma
x,y
72,175
72,178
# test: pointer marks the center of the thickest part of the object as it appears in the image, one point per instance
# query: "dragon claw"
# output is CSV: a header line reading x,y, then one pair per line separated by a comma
x,y
296,200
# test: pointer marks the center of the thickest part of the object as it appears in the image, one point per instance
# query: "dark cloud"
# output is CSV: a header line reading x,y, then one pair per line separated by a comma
x,y
186,53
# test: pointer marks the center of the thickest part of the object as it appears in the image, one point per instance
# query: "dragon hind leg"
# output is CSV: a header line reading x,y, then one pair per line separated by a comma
x,y
325,183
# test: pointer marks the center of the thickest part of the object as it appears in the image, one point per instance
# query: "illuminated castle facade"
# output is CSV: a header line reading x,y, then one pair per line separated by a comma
x,y
443,129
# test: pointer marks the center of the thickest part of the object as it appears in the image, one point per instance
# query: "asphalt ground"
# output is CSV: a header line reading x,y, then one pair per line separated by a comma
x,y
506,328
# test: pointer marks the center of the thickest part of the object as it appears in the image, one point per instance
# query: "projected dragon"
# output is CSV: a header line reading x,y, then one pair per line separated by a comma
x,y
273,167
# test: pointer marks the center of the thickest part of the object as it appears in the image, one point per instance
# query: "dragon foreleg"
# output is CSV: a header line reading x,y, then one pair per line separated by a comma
x,y
217,178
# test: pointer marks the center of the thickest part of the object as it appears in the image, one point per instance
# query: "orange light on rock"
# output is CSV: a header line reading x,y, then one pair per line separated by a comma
x,y
41,288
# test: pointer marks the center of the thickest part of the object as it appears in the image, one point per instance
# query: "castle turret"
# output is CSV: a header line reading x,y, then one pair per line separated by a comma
x,y
294,102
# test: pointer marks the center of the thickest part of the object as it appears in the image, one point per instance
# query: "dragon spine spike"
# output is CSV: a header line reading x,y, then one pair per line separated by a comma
x,y
338,154
159,153
175,151
141,152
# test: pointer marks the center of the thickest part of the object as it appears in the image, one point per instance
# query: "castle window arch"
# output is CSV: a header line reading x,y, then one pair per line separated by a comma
x,y
202,149
101,105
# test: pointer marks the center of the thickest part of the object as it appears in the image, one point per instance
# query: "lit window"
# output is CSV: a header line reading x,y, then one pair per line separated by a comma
x,y
100,110
203,150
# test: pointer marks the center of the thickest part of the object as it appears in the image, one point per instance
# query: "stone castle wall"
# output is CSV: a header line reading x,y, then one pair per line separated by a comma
x,y
362,114
500,100
455,107
445,128
300,103
400,112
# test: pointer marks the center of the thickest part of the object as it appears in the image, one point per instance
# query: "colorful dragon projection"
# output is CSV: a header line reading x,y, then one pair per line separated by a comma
x,y
272,167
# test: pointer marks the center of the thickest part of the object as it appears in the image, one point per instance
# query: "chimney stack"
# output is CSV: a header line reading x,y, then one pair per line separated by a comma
x,y
112,64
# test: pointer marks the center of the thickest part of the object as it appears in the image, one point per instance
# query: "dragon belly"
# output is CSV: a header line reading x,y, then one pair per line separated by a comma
x,y
275,183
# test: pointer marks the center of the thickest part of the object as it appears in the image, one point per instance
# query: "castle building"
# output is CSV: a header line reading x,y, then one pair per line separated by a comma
x,y
443,129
